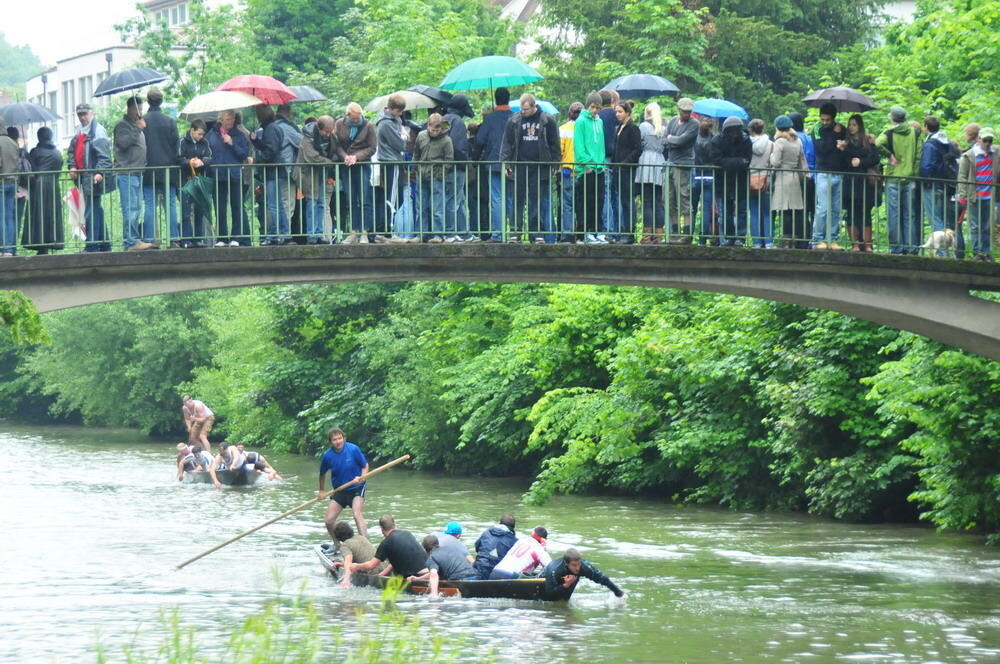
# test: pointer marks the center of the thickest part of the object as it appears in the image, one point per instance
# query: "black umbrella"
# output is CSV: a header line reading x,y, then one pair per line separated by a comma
x,y
643,86
26,113
306,93
437,94
844,99
129,79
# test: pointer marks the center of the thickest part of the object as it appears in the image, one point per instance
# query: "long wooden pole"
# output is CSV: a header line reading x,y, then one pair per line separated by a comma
x,y
304,505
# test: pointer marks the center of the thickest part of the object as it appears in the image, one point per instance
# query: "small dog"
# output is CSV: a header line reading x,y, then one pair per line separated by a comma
x,y
941,241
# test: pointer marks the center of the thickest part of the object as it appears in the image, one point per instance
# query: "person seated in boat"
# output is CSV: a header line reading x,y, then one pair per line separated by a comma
x,y
526,558
562,575
228,458
354,549
493,545
256,462
186,460
203,458
444,565
399,548
449,539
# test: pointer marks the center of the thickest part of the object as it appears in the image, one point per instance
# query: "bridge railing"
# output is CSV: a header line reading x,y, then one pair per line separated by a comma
x,y
455,202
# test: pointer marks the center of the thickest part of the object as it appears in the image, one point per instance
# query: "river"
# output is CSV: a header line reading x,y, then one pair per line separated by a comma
x,y
93,523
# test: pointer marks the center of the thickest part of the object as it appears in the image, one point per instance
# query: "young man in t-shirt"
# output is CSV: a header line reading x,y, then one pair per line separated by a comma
x,y
345,462
526,558
354,549
400,549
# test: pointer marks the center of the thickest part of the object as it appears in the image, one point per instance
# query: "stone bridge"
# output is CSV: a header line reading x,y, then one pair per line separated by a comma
x,y
928,296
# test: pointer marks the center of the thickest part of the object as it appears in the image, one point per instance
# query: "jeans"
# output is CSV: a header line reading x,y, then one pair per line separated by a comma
x,y
609,220
130,194
150,194
431,197
904,232
276,223
358,182
388,197
455,220
761,234
568,196
733,221
532,190
980,217
230,214
97,234
703,193
499,210
8,218
829,200
315,209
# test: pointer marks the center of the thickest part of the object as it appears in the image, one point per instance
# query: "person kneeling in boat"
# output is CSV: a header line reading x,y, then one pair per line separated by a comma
x,y
494,544
255,462
400,548
444,564
228,458
527,558
354,549
562,575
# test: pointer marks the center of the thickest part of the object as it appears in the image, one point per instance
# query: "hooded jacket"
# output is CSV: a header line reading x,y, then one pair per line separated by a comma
x,y
491,547
457,108
291,139
933,155
310,173
588,143
432,149
364,143
162,141
190,149
391,145
828,157
548,139
967,185
906,149
130,146
96,155
490,136
268,144
228,158
731,151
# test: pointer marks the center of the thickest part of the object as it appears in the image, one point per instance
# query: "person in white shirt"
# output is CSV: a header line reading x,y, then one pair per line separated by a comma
x,y
526,558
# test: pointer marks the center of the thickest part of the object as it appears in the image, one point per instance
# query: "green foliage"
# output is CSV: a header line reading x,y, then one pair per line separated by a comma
x,y
19,316
17,64
296,35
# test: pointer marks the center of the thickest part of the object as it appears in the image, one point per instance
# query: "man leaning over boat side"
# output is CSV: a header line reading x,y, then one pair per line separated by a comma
x,y
228,458
345,462
526,558
444,565
256,463
198,418
354,549
400,549
493,545
562,575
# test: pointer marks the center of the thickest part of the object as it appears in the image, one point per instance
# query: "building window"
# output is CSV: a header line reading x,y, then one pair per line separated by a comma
x,y
182,13
173,16
86,88
52,101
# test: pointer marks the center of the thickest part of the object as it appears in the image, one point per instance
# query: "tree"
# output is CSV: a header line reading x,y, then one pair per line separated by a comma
x,y
17,64
295,36
20,318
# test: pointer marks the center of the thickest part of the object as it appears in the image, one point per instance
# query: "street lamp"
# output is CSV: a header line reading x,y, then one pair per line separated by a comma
x,y
109,57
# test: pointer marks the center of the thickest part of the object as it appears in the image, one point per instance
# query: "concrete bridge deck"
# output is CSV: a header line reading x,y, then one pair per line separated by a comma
x,y
924,295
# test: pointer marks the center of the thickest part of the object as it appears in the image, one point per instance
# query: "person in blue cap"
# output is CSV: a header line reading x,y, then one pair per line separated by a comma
x,y
449,539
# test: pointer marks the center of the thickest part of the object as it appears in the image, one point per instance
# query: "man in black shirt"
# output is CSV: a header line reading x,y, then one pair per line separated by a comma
x,y
400,548
562,575
531,140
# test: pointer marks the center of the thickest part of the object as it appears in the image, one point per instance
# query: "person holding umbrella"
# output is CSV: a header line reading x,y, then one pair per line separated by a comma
x,y
90,148
130,153
831,142
161,183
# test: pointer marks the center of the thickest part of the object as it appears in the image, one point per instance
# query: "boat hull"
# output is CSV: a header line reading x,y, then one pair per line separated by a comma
x,y
227,477
525,589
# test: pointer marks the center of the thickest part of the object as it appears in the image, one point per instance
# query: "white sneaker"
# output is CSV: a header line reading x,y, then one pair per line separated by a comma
x,y
451,239
363,239
234,243
351,239
590,238
602,239
472,238
220,243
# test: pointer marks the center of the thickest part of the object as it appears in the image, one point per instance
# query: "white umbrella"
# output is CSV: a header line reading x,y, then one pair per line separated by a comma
x,y
414,100
208,105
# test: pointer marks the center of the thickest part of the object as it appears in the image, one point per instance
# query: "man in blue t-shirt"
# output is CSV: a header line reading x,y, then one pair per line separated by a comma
x,y
345,462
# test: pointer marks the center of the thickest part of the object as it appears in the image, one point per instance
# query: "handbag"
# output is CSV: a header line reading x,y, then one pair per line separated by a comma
x,y
758,182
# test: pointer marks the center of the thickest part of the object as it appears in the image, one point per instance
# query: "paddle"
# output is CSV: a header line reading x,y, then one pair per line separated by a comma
x,y
304,505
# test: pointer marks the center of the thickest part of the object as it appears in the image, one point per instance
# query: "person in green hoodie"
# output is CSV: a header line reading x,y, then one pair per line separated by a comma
x,y
588,151
901,144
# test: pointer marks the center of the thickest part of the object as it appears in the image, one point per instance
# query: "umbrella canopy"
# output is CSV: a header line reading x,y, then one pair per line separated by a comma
x,y
547,106
26,113
437,94
129,79
491,71
200,190
208,105
305,93
414,101
269,90
844,99
642,86
720,108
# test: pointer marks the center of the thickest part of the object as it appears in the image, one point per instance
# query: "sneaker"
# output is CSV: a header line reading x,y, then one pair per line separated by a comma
x,y
140,246
437,239
234,243
220,243
363,239
539,240
590,238
396,240
381,239
835,247
514,239
352,239
819,246
603,239
451,239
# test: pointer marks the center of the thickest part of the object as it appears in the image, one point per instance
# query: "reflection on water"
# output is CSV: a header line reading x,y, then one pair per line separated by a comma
x,y
93,524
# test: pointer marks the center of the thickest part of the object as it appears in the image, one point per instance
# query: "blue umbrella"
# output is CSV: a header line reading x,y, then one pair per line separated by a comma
x,y
547,106
642,86
129,79
720,108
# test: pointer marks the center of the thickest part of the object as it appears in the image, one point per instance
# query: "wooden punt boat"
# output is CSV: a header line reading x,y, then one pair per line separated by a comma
x,y
227,477
528,589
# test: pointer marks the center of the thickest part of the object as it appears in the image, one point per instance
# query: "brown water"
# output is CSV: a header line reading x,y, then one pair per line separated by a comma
x,y
93,522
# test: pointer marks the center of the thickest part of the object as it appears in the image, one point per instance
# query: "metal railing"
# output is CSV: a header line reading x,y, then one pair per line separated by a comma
x,y
458,202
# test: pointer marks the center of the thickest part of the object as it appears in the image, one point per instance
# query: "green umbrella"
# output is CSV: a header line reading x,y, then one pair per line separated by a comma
x,y
491,71
201,191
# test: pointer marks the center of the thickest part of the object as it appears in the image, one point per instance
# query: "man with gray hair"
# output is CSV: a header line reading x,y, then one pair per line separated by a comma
x,y
531,146
681,132
355,143
90,148
901,144
315,165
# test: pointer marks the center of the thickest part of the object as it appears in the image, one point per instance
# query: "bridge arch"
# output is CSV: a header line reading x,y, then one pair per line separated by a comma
x,y
923,295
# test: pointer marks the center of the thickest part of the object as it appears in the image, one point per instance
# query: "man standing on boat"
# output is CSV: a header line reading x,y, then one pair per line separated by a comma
x,y
345,462
562,575
198,418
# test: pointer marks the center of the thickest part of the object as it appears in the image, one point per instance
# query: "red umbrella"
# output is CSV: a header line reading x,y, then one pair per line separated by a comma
x,y
269,90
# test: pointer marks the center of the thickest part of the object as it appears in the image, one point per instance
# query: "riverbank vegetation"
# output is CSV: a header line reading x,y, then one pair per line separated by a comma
x,y
688,396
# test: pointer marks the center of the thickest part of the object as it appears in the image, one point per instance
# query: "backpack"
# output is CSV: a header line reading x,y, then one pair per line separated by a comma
x,y
950,159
